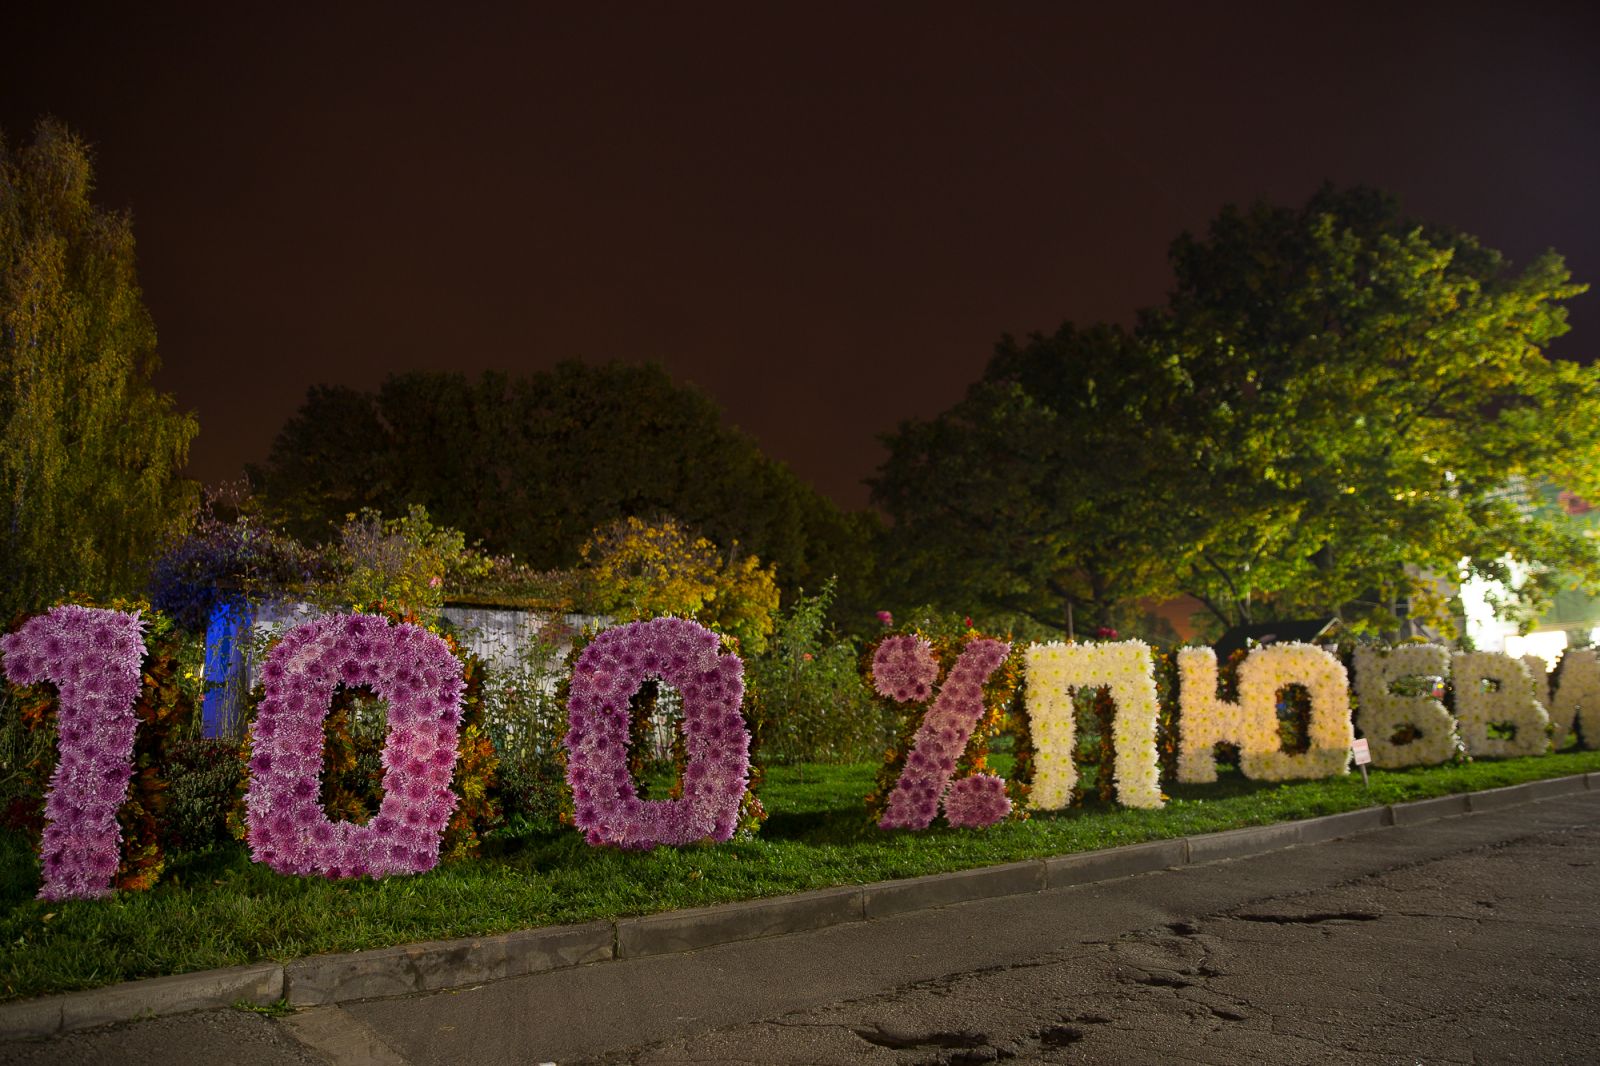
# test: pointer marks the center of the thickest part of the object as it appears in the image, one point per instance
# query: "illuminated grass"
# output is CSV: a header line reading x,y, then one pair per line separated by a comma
x,y
218,909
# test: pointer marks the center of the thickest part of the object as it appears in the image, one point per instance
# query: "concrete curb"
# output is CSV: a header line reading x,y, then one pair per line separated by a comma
x,y
440,964
1429,809
436,964
1086,867
938,890
703,927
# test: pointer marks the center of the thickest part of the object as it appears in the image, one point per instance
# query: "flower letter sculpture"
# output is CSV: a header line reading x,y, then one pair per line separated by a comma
x,y
1576,702
904,670
93,658
1381,714
1494,689
606,803
415,673
1252,723
1127,669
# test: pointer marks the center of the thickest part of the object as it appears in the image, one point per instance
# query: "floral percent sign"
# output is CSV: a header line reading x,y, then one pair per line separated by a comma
x,y
904,669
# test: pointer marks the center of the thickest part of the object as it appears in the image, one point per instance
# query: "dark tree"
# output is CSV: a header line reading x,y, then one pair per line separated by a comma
x,y
533,465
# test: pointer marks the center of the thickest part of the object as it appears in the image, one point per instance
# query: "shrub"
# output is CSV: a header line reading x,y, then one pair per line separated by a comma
x,y
204,785
805,698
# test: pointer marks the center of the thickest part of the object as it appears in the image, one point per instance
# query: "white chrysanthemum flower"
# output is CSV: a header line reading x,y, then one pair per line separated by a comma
x,y
1381,714
1054,672
1493,689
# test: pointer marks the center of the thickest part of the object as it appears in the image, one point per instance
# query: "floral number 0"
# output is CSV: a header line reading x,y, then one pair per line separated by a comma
x,y
606,804
415,673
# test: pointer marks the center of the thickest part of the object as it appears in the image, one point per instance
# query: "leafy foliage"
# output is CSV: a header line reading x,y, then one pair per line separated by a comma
x,y
1363,390
226,558
402,563
805,697
89,451
639,570
533,465
1038,492
1336,403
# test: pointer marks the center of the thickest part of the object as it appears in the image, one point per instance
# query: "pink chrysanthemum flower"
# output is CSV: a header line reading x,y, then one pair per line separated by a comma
x,y
904,669
686,656
93,657
414,671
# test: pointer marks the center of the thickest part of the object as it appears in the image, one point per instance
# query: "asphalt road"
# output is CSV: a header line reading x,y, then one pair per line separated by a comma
x,y
1468,940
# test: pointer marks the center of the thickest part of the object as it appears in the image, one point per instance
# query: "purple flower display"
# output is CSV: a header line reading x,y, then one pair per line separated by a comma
x,y
903,669
93,657
976,801
944,732
605,801
415,673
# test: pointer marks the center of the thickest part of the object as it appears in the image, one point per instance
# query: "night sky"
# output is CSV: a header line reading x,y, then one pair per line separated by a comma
x,y
824,216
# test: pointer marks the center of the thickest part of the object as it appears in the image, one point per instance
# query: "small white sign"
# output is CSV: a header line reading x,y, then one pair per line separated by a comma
x,y
1359,750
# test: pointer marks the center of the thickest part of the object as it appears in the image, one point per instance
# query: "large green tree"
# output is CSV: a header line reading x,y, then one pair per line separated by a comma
x,y
1335,402
1364,396
533,465
1037,493
89,451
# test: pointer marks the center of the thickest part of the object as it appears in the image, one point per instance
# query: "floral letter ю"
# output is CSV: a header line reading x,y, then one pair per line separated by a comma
x,y
904,670
1126,668
606,803
93,657
415,673
1205,719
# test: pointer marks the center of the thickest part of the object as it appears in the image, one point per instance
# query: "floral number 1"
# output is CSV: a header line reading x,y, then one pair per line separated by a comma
x,y
904,670
93,657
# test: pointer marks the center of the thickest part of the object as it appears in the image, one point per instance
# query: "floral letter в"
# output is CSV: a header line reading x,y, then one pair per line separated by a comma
x,y
415,673
1493,689
93,658
606,804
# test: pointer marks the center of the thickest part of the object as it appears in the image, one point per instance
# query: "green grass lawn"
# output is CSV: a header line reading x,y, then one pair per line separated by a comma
x,y
219,909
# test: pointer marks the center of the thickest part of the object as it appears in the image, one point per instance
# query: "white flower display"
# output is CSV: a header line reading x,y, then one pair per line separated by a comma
x,y
1492,688
1381,713
1265,673
1204,719
1054,671
1540,672
1575,704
